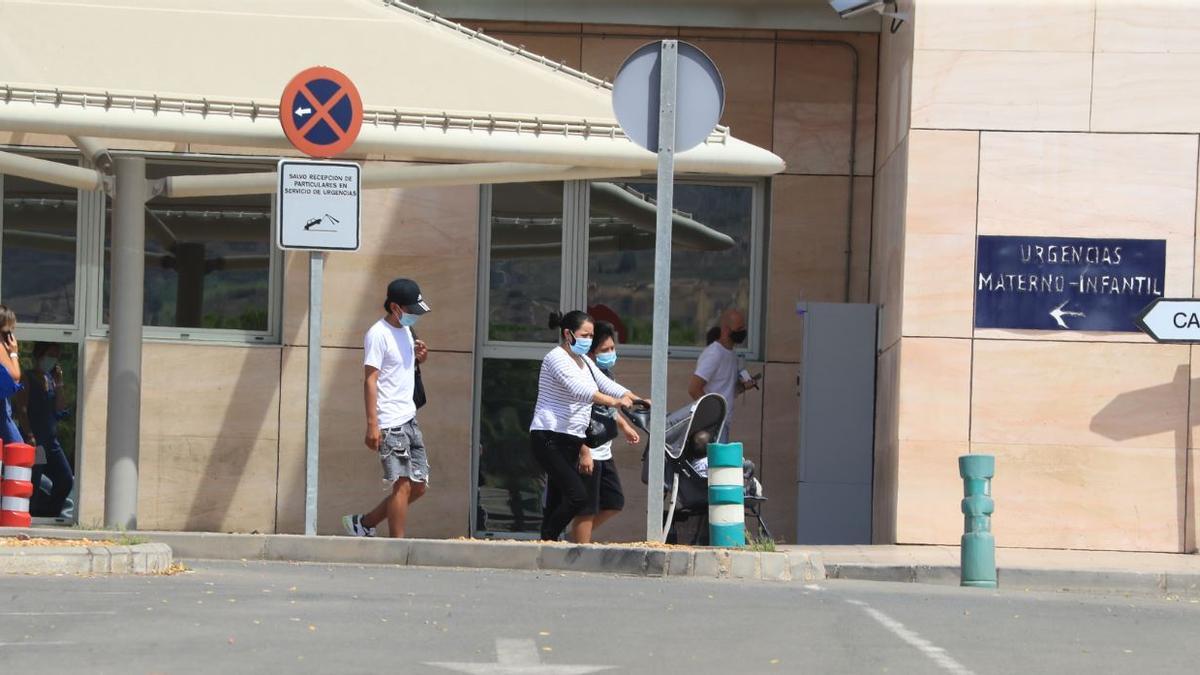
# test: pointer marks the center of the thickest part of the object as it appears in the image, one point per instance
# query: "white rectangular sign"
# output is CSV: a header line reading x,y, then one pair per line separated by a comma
x,y
318,205
1172,320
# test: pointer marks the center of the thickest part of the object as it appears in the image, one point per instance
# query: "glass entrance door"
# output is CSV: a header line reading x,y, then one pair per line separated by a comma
x,y
40,282
524,236
577,245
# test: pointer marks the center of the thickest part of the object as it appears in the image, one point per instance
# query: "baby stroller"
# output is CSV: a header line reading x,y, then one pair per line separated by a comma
x,y
685,468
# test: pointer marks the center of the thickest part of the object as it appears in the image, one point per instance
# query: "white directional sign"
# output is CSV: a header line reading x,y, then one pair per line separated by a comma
x,y
1172,320
318,205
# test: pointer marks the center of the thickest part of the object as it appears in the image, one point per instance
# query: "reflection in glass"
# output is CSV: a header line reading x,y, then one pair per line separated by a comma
x,y
38,264
526,260
510,480
207,258
709,271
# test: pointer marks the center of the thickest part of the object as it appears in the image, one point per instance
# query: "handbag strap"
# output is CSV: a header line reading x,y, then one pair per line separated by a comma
x,y
414,334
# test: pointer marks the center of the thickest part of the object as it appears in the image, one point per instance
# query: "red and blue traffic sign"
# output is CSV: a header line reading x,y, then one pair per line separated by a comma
x,y
321,112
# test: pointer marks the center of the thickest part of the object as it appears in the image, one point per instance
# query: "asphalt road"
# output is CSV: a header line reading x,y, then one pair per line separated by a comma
x,y
279,617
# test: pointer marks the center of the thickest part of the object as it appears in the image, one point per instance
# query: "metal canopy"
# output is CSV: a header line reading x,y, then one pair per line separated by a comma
x,y
432,90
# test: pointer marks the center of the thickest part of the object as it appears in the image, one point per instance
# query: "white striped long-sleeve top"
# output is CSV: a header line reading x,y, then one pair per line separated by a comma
x,y
565,391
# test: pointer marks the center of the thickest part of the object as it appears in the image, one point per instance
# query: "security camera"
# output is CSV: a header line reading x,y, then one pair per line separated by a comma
x,y
851,8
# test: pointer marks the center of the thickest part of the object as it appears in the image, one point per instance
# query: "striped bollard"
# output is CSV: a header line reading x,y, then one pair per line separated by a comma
x,y
726,505
15,485
978,551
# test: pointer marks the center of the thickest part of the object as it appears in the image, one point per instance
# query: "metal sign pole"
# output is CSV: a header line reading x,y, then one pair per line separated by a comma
x,y
316,273
668,70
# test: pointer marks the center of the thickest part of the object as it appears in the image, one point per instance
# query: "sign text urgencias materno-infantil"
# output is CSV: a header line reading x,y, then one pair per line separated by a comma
x,y
1066,283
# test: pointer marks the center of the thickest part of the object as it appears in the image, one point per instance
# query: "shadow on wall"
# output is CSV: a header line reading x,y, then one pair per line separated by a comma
x,y
227,467
1125,418
91,468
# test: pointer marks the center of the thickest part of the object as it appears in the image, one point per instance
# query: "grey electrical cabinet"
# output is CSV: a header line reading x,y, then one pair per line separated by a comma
x,y
837,424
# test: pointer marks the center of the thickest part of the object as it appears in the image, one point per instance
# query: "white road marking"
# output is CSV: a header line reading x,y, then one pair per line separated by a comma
x,y
517,652
934,652
517,657
56,613
813,587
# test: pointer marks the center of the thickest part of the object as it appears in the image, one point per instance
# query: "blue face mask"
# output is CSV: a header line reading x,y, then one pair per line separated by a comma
x,y
409,320
581,346
606,360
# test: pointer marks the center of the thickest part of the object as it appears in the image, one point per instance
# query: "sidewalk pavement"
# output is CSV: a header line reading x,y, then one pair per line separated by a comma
x,y
1018,568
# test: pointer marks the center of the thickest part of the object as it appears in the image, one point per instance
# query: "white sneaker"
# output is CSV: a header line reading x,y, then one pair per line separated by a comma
x,y
354,527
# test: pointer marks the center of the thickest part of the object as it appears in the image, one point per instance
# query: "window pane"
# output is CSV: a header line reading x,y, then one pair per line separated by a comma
x,y
703,281
510,479
526,260
207,258
40,421
38,263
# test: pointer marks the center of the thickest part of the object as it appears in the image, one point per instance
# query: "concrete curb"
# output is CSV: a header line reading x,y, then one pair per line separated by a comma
x,y
642,561
804,565
154,558
1030,578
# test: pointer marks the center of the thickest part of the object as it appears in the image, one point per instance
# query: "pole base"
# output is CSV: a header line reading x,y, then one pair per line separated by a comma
x,y
980,584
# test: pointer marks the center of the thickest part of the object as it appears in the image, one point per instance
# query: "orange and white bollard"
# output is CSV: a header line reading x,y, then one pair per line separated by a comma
x,y
16,486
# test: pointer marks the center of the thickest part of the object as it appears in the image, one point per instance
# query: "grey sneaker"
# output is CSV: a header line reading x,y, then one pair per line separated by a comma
x,y
354,527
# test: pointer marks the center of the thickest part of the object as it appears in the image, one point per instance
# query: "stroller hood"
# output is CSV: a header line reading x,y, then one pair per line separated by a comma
x,y
684,426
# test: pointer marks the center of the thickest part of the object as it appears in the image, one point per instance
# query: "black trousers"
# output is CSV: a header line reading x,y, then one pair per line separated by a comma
x,y
559,456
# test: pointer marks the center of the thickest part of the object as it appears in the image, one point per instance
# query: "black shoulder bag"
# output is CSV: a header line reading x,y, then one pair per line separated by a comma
x,y
418,385
603,426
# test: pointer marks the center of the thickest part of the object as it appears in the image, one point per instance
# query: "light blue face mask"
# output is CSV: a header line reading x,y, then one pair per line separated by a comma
x,y
581,346
606,360
409,320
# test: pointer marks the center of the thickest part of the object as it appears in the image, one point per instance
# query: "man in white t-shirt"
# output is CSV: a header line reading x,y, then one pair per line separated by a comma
x,y
391,360
717,368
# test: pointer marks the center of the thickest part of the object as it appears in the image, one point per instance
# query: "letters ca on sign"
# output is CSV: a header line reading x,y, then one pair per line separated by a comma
x,y
1187,320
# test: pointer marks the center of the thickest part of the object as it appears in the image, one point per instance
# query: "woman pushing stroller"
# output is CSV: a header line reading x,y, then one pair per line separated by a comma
x,y
605,496
568,385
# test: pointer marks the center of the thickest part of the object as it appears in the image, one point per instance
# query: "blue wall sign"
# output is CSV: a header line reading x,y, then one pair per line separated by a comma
x,y
1066,283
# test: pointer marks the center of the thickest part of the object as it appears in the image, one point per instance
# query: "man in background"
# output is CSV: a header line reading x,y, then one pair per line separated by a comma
x,y
717,370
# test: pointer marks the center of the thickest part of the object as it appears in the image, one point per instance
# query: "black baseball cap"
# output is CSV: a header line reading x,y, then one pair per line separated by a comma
x,y
407,294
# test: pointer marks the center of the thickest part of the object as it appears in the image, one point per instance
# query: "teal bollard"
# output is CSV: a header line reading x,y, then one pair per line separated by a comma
x,y
978,545
726,510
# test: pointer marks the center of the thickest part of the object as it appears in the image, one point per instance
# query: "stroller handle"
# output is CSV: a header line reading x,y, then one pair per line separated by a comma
x,y
639,414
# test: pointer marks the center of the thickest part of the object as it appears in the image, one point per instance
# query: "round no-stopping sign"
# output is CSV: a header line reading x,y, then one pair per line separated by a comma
x,y
321,112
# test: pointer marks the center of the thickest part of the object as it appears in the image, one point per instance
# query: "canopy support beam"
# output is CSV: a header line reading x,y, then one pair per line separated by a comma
x,y
375,176
96,151
122,438
46,171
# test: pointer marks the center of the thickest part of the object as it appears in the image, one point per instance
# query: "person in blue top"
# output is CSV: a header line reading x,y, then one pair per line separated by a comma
x,y
45,406
10,375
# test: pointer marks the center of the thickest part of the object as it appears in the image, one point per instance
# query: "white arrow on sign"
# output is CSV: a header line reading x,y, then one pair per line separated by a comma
x,y
517,657
1171,320
301,112
1058,313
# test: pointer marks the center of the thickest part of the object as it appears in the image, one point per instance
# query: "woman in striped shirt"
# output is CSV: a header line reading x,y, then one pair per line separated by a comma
x,y
568,385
